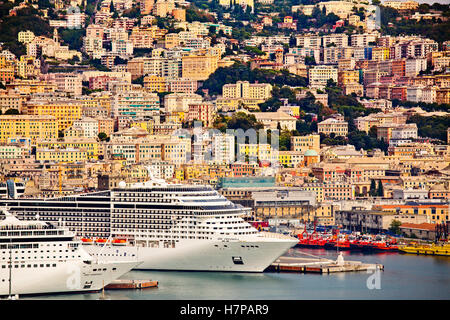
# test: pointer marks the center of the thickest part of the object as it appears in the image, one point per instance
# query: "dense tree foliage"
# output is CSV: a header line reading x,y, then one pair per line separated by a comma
x,y
195,14
431,127
26,19
430,107
239,120
436,29
242,72
73,38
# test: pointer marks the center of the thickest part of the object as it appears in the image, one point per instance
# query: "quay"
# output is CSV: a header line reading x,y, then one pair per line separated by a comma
x,y
131,284
319,265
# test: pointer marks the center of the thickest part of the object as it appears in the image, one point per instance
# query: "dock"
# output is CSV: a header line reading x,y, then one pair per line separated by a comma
x,y
131,284
319,265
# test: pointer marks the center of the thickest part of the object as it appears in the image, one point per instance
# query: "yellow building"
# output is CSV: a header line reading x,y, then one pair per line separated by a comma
x,y
436,212
91,146
331,125
63,155
411,149
348,77
162,8
196,171
29,126
417,182
380,53
171,40
11,100
32,86
242,3
229,104
324,214
179,14
290,159
93,101
256,151
318,189
155,83
401,5
66,111
443,96
305,143
25,36
198,67
27,66
246,90
179,174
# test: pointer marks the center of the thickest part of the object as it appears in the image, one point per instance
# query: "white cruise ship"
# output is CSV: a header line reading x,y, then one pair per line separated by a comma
x,y
38,258
167,226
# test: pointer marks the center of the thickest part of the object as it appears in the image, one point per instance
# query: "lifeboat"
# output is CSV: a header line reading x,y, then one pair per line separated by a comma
x,y
100,240
86,241
119,242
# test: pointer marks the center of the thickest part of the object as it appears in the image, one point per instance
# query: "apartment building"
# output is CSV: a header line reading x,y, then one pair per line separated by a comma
x,y
319,75
331,125
66,111
198,67
30,126
246,90
305,143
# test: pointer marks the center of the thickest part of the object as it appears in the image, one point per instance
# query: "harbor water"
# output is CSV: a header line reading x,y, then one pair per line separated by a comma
x,y
405,276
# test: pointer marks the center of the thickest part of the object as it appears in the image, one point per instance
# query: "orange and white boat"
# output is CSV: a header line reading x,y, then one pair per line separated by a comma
x,y
86,241
119,242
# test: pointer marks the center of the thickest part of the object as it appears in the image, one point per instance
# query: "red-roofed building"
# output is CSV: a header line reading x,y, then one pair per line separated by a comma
x,y
419,230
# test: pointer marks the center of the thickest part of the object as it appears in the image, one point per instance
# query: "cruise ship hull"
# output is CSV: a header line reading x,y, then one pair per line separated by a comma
x,y
197,255
65,277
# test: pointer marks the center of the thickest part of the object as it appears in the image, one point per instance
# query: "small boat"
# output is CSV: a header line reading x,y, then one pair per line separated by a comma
x,y
119,242
86,241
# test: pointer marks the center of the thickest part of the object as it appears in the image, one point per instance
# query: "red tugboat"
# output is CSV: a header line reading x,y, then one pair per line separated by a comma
x,y
361,244
313,240
342,243
337,241
384,245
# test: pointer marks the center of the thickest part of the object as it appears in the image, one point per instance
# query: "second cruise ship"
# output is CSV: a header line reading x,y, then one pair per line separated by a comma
x,y
38,258
167,226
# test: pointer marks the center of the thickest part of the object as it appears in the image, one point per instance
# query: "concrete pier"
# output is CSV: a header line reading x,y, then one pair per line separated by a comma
x,y
318,265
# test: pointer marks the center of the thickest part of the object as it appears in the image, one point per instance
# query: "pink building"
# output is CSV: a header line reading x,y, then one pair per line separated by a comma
x,y
201,112
99,82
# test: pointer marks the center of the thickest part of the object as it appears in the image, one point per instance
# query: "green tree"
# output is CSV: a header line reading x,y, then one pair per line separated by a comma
x,y
395,226
102,136
12,111
241,120
380,190
372,190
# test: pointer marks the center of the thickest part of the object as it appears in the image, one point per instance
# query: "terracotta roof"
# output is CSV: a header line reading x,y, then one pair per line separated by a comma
x,y
419,226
